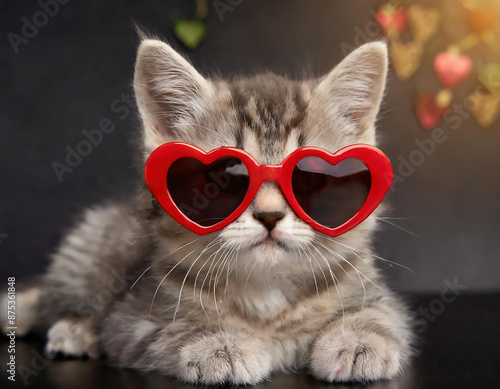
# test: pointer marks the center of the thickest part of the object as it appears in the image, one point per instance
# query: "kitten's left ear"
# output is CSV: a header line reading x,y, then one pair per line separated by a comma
x,y
352,91
169,92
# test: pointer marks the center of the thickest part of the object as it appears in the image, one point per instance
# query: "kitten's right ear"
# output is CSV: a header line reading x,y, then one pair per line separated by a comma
x,y
169,91
352,92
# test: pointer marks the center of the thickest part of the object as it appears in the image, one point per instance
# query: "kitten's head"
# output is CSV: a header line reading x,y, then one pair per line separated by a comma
x,y
267,116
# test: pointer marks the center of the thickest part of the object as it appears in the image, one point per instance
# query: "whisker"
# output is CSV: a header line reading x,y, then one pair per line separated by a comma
x,y
354,267
320,268
298,256
397,226
168,256
223,249
312,271
201,268
229,269
354,250
389,110
209,245
326,262
163,279
336,261
217,266
336,284
357,271
394,218
214,256
217,276
249,273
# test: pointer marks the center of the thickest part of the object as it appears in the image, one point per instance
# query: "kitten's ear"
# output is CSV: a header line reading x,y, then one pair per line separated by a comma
x,y
352,91
169,91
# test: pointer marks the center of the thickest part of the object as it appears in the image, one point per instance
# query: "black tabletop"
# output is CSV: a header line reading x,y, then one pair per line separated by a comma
x,y
458,348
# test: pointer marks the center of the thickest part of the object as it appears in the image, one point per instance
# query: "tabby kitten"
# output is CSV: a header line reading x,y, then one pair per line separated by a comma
x,y
131,283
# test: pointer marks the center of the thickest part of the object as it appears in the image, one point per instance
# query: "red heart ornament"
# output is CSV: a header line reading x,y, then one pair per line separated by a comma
x,y
452,69
430,110
392,18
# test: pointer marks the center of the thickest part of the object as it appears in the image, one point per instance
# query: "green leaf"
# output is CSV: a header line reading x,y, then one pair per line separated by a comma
x,y
190,32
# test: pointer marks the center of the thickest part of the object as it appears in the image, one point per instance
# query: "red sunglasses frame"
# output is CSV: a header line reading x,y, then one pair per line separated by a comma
x,y
162,158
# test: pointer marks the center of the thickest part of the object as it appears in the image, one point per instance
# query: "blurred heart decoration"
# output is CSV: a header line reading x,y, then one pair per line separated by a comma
x,y
406,58
391,17
489,76
424,22
485,107
426,44
190,32
431,109
452,69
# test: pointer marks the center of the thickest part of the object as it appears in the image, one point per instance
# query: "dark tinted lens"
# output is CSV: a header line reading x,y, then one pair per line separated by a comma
x,y
207,194
331,194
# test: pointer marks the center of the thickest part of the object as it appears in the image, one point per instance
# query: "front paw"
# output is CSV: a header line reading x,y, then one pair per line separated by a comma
x,y
71,338
224,358
348,355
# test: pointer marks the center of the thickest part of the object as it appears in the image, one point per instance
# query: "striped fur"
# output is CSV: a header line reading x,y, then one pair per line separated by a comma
x,y
223,307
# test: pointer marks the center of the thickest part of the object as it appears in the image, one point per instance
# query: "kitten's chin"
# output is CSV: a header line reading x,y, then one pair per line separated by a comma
x,y
269,244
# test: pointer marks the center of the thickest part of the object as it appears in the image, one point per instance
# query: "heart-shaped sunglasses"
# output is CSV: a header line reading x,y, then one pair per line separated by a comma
x,y
206,191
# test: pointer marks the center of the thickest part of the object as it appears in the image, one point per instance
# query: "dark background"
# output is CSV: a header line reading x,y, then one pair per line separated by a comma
x,y
66,79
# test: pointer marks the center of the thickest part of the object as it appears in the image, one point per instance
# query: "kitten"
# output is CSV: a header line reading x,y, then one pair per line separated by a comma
x,y
131,283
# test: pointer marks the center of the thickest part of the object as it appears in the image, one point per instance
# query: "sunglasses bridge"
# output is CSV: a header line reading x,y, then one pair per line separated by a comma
x,y
268,173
